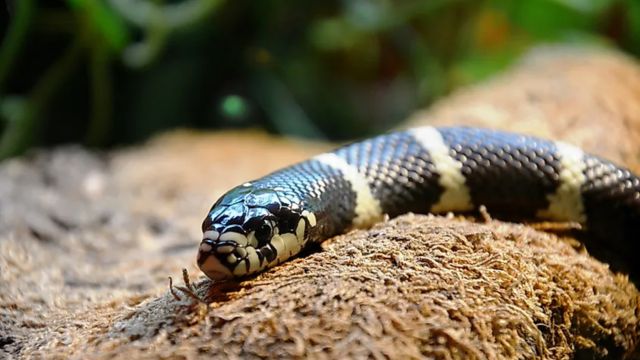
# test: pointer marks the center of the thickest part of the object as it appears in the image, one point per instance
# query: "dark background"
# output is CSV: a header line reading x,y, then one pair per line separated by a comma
x,y
113,72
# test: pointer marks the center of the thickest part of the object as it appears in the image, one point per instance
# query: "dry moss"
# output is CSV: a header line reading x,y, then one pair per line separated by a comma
x,y
87,242
417,286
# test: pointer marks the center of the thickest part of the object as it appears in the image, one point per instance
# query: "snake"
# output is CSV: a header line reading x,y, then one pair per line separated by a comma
x,y
269,220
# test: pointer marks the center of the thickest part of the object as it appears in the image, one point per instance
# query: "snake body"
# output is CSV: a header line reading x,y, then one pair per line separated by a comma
x,y
423,170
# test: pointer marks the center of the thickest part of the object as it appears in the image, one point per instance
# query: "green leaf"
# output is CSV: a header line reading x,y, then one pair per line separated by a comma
x,y
479,66
13,108
332,34
234,107
103,21
633,14
545,19
587,7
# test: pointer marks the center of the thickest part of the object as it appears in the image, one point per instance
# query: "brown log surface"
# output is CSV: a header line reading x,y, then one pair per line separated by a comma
x,y
88,240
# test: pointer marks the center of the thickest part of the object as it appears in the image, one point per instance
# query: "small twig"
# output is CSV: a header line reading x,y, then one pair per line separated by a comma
x,y
187,281
175,296
556,226
484,213
188,289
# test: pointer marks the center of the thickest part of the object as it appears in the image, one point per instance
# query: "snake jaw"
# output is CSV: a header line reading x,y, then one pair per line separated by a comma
x,y
227,254
209,262
219,254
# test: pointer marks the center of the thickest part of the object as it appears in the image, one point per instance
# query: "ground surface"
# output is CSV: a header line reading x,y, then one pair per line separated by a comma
x,y
88,240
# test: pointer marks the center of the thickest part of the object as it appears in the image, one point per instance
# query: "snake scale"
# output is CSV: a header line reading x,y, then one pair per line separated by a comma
x,y
266,221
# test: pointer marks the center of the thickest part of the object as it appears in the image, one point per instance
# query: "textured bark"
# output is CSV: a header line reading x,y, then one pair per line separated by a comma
x,y
88,240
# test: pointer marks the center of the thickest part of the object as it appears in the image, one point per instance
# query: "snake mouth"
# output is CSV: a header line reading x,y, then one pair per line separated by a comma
x,y
214,269
210,264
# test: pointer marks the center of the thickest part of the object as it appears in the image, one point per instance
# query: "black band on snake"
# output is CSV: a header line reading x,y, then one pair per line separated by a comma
x,y
266,221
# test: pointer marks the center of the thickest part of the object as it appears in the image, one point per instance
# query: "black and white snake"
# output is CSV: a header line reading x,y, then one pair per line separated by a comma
x,y
424,170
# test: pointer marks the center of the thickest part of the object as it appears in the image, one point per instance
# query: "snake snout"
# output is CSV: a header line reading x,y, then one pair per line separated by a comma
x,y
209,263
206,246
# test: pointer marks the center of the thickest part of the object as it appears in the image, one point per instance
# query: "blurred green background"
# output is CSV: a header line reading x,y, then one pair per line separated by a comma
x,y
113,72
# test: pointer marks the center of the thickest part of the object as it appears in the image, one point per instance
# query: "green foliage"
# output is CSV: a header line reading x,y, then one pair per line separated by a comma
x,y
633,19
334,69
234,107
102,21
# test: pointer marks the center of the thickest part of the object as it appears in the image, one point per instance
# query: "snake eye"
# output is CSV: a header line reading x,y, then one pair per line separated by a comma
x,y
264,233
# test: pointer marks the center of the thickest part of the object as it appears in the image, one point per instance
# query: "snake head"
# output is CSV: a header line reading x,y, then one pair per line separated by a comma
x,y
250,229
